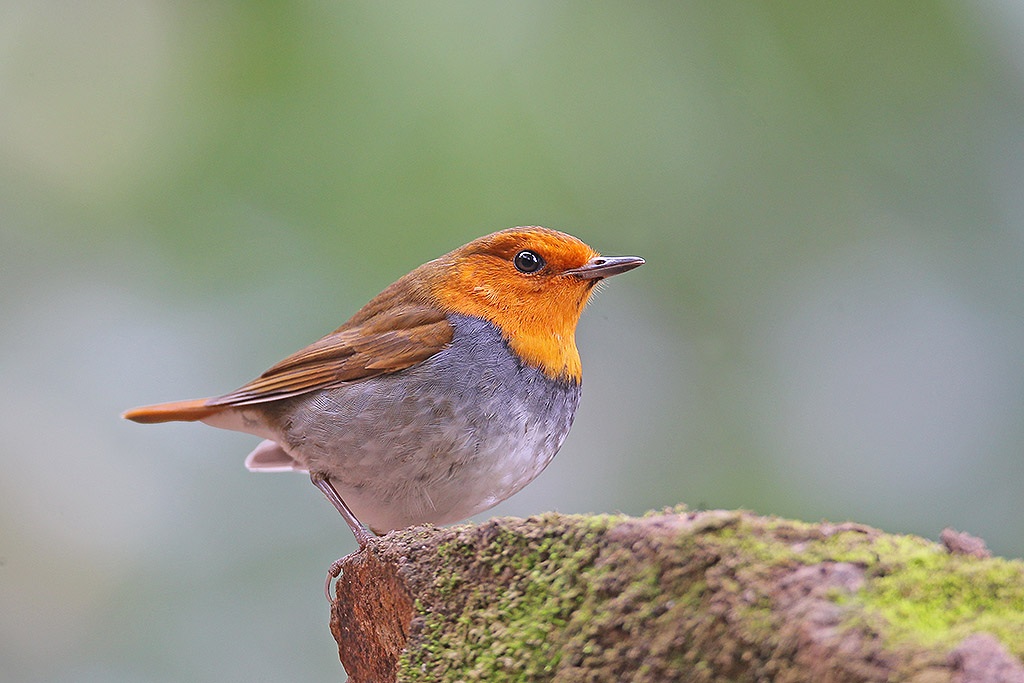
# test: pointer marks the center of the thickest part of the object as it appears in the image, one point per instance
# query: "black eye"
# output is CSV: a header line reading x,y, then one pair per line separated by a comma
x,y
528,261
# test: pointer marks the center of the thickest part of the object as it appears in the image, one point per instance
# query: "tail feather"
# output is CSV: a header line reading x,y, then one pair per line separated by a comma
x,y
178,411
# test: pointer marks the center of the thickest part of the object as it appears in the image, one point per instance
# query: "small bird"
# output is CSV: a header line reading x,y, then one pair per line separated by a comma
x,y
444,395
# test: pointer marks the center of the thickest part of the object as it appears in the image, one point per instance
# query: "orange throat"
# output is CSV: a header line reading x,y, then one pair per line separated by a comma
x,y
554,354
541,330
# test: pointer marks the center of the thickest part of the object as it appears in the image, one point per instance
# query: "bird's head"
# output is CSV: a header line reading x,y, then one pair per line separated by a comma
x,y
532,283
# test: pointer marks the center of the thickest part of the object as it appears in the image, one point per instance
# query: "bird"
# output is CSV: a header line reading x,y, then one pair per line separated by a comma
x,y
444,395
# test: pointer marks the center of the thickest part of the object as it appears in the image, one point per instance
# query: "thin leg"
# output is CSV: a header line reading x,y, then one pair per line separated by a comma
x,y
322,482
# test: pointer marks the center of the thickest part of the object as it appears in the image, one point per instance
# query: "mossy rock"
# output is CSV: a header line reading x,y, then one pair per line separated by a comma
x,y
695,596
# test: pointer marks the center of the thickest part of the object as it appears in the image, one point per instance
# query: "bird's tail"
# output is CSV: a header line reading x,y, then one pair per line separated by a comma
x,y
178,411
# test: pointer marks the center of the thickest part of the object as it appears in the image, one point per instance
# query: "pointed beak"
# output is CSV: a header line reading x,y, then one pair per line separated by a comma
x,y
601,267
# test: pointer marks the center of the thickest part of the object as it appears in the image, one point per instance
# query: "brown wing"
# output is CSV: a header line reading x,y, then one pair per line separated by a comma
x,y
388,342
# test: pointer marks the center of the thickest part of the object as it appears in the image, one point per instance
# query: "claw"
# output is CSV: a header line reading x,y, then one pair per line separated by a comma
x,y
333,572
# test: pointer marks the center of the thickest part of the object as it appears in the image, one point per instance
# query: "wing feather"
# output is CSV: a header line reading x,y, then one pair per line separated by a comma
x,y
388,342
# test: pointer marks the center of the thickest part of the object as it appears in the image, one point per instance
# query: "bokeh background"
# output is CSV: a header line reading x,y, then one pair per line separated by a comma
x,y
830,324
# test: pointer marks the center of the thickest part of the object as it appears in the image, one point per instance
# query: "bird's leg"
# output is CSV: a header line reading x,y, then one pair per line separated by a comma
x,y
323,482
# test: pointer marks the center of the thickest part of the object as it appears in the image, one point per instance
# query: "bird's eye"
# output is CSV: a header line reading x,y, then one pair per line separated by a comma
x,y
528,261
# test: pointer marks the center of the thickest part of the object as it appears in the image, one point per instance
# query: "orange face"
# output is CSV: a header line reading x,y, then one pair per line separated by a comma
x,y
522,281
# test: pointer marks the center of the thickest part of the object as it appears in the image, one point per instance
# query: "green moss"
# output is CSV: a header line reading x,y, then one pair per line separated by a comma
x,y
545,599
915,592
527,589
928,596
524,599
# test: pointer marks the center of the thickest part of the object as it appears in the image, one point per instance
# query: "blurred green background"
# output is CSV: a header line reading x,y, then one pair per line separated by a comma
x,y
830,324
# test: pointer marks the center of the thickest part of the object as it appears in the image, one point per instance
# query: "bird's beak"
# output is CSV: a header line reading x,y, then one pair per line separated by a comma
x,y
601,267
